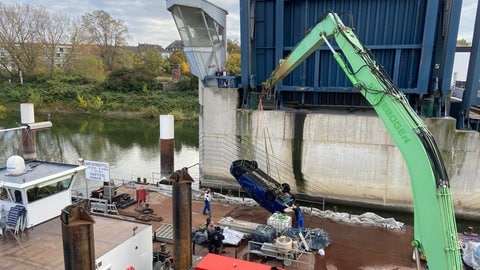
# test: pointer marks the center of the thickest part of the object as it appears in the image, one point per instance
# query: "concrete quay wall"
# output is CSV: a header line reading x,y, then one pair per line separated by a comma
x,y
342,156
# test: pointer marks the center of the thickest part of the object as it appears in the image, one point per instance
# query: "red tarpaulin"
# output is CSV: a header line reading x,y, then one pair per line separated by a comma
x,y
217,262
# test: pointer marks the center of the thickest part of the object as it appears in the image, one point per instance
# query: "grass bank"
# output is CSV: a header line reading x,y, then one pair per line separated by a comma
x,y
181,99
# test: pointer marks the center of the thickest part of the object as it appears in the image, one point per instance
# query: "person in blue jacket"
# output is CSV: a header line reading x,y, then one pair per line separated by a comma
x,y
298,215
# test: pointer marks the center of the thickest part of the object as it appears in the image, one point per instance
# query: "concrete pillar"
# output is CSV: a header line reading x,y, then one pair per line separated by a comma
x,y
27,116
182,219
167,144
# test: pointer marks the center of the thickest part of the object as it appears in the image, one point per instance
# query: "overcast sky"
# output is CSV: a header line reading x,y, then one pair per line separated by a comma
x,y
150,22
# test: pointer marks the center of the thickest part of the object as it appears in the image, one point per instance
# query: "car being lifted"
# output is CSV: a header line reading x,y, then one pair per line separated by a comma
x,y
265,190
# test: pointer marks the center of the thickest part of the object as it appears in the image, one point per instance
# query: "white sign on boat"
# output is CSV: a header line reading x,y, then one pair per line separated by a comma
x,y
97,170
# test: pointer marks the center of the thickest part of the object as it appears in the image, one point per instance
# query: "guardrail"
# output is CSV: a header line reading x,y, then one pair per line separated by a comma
x,y
229,81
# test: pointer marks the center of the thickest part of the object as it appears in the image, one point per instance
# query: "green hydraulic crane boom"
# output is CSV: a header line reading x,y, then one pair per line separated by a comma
x,y
435,230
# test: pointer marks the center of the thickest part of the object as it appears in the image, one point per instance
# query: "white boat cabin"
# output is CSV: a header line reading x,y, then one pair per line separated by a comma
x,y
35,190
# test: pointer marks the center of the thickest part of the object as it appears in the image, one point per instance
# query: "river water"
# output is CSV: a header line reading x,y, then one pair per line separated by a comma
x,y
130,146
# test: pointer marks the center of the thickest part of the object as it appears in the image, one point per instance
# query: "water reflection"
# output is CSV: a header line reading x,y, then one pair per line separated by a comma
x,y
130,146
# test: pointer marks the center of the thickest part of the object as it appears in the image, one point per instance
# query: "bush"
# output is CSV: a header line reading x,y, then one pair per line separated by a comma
x,y
131,80
187,82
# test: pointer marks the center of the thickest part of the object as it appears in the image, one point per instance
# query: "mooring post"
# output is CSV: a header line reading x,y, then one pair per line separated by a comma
x,y
167,144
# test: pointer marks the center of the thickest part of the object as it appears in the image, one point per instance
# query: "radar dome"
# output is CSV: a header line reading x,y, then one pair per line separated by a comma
x,y
15,165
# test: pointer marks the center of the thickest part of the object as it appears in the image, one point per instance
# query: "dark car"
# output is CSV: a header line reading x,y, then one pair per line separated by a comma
x,y
265,190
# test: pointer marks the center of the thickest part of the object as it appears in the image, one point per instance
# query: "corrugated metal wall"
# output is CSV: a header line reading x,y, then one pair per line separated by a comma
x,y
402,35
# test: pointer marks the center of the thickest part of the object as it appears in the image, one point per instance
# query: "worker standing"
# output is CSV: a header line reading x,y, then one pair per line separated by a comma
x,y
216,241
210,227
207,199
298,215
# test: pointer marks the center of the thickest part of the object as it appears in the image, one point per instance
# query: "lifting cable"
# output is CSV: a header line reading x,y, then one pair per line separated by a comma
x,y
266,139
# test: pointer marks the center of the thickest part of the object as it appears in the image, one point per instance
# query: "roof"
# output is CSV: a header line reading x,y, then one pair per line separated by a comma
x,y
177,44
38,172
217,262
42,248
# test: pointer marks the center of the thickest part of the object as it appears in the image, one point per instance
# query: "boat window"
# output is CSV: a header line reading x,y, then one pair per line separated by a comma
x,y
18,196
38,193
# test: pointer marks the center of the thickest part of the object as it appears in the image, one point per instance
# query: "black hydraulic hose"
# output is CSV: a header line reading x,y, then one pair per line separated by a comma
x,y
438,167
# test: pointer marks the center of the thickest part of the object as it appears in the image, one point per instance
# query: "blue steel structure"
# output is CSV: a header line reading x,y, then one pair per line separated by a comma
x,y
414,40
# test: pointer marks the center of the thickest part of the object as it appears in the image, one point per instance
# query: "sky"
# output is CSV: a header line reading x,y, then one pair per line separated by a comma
x,y
150,22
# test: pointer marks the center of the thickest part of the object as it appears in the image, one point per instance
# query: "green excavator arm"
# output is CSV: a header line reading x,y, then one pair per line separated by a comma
x,y
435,230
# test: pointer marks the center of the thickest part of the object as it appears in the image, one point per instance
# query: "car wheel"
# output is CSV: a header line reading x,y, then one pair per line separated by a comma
x,y
270,195
237,171
285,188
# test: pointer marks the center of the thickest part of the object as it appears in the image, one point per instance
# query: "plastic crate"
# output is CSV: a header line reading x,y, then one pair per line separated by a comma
x,y
280,222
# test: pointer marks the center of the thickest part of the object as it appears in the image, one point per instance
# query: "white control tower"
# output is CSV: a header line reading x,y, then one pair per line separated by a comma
x,y
201,25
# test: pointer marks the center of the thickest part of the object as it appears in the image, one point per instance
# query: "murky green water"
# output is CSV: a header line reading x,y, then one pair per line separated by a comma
x,y
130,146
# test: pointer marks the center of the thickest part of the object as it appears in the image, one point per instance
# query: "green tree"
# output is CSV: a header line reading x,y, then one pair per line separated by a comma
x,y
154,61
91,68
233,46
234,63
131,80
233,56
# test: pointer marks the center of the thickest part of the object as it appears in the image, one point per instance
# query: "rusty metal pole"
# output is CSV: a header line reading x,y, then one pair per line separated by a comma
x,y
78,238
167,144
27,116
182,219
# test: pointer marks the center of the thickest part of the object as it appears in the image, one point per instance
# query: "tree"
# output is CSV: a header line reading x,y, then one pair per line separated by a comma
x,y
20,38
77,37
233,56
234,63
179,60
91,68
233,46
106,32
154,61
54,31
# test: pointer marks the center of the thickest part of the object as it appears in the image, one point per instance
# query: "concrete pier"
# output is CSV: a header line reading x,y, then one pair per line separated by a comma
x,y
343,156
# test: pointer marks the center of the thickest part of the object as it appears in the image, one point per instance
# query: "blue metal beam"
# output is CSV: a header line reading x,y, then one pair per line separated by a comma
x,y
470,95
450,46
427,46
